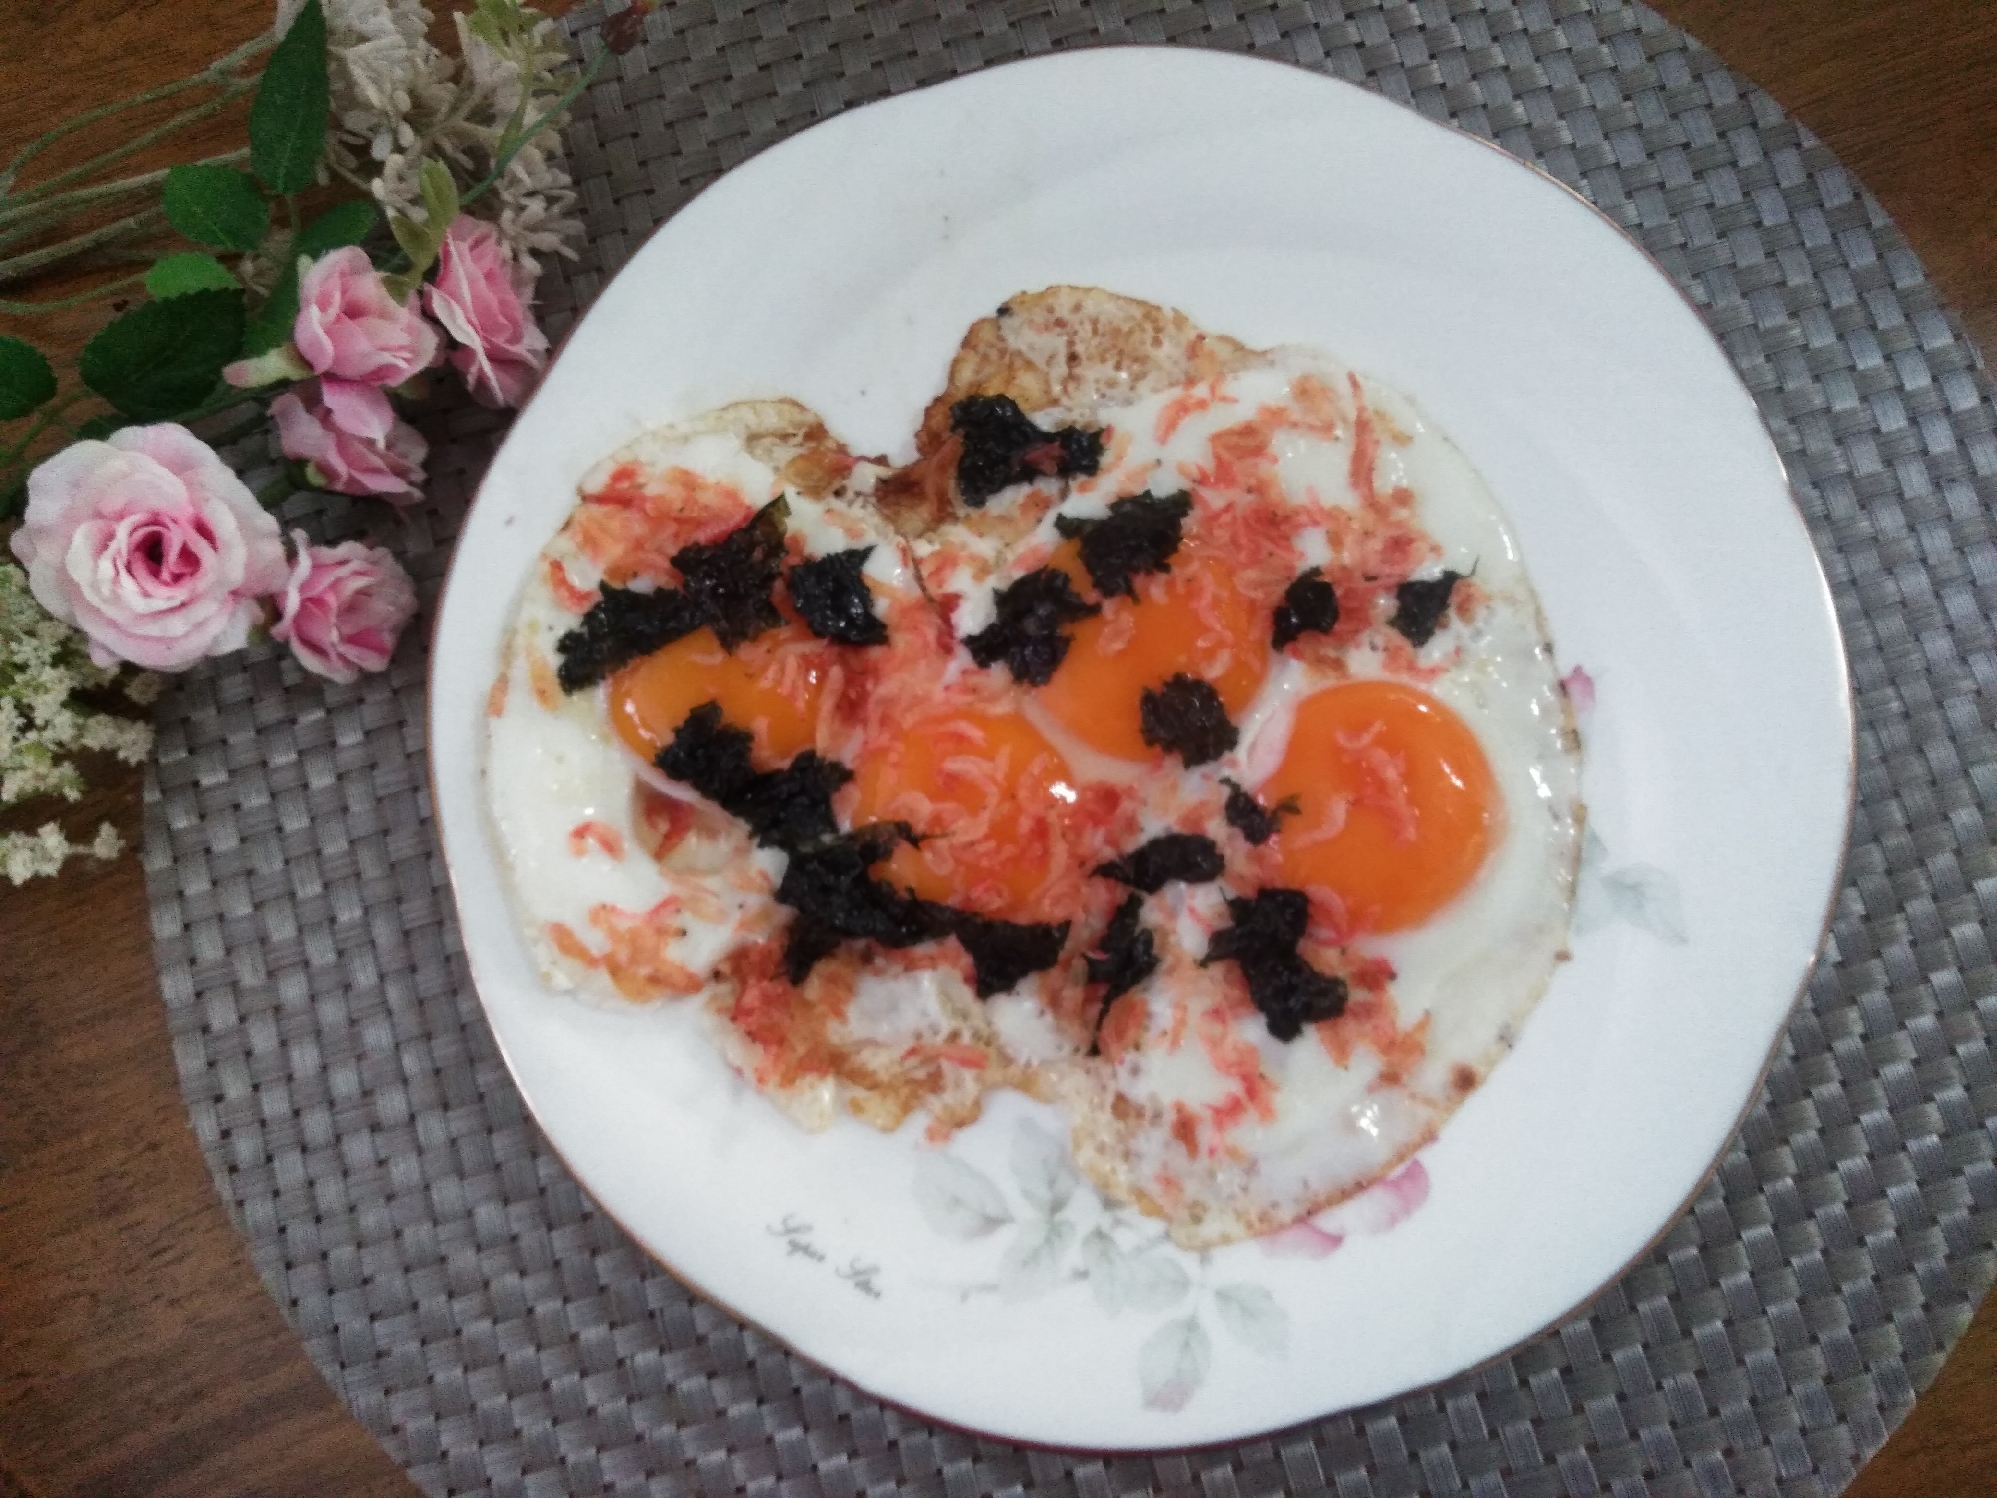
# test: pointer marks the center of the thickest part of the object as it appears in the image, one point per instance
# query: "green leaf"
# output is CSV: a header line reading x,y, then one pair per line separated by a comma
x,y
272,324
420,241
415,241
25,378
440,196
177,275
216,205
349,223
13,498
97,428
288,119
401,286
165,358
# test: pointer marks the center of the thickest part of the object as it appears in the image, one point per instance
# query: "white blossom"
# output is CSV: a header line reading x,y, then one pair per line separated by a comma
x,y
535,196
38,854
396,187
386,78
33,855
398,101
43,664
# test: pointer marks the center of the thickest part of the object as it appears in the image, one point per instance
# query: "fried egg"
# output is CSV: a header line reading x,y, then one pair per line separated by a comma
x,y
1208,776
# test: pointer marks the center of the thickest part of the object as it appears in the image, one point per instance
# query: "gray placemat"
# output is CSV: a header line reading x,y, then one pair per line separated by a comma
x,y
499,1334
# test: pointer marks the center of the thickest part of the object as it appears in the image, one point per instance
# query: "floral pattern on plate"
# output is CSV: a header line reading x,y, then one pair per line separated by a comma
x,y
1059,1235
1638,894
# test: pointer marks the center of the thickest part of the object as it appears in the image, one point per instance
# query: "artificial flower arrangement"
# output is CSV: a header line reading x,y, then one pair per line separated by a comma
x,y
436,185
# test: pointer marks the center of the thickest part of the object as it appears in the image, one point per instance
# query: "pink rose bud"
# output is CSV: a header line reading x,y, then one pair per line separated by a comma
x,y
350,328
351,438
481,304
151,546
343,608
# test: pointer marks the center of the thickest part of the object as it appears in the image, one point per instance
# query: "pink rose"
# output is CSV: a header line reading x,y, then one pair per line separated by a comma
x,y
349,327
343,608
352,438
150,546
481,304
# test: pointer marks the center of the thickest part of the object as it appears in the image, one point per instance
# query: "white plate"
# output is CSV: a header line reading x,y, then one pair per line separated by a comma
x,y
841,267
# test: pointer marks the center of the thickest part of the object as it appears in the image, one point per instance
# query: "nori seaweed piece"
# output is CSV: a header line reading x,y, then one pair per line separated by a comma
x,y
726,584
808,940
1420,605
1269,921
1027,634
1251,818
1262,942
730,579
1309,606
829,884
1002,952
1003,446
1186,717
789,808
622,625
792,807
1129,953
832,598
1140,534
1190,857
838,900
826,879
710,755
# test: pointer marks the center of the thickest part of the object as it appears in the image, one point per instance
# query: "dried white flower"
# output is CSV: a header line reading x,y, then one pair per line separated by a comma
x,y
398,101
33,855
535,195
397,189
36,855
43,664
492,76
389,84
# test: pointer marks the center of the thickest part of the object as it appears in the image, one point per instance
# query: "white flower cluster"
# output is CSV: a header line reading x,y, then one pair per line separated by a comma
x,y
36,855
43,663
399,100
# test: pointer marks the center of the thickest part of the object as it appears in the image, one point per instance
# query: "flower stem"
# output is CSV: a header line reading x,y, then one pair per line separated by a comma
x,y
32,309
231,92
218,74
49,413
39,211
34,260
569,96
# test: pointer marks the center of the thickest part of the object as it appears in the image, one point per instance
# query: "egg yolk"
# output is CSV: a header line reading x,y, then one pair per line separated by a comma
x,y
769,685
1191,620
988,794
1396,804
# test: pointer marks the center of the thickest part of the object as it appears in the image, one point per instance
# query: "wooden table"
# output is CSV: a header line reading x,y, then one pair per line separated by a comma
x,y
138,1351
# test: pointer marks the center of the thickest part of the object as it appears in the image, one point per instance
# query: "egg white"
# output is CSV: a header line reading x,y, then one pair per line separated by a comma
x,y
1473,970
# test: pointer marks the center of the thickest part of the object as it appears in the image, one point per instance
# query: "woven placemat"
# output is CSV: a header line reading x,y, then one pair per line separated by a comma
x,y
499,1334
